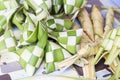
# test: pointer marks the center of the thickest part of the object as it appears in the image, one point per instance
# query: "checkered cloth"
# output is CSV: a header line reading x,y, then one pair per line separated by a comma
x,y
54,53
30,58
57,24
29,34
70,39
8,41
57,4
71,6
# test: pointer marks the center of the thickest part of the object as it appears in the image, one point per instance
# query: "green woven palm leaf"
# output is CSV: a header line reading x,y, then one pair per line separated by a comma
x,y
42,34
8,41
2,5
40,11
57,24
54,53
5,16
29,34
57,5
44,3
8,4
41,14
35,4
3,24
71,6
30,58
69,39
37,27
18,18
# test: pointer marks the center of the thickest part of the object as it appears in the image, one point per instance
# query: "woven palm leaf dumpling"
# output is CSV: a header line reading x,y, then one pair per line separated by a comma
x,y
48,33
41,34
102,42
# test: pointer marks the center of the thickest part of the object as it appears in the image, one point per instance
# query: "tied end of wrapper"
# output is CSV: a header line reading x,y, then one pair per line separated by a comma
x,y
83,52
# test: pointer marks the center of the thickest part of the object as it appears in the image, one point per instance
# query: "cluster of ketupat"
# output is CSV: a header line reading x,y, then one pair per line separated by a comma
x,y
97,40
43,31
40,21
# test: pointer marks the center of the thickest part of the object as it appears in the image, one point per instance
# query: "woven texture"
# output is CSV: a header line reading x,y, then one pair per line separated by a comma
x,y
57,4
8,41
58,24
2,23
54,53
71,6
29,34
30,58
69,39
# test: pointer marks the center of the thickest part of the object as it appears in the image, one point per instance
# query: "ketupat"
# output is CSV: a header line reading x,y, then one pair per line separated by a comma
x,y
8,42
53,55
29,33
30,18
57,4
31,56
18,18
43,38
71,6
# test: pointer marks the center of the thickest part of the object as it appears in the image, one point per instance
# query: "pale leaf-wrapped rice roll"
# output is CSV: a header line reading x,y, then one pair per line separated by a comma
x,y
97,22
109,21
86,23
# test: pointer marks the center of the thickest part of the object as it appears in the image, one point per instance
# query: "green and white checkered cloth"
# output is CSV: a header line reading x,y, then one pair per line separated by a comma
x,y
57,5
71,6
8,41
30,58
54,54
57,24
69,39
